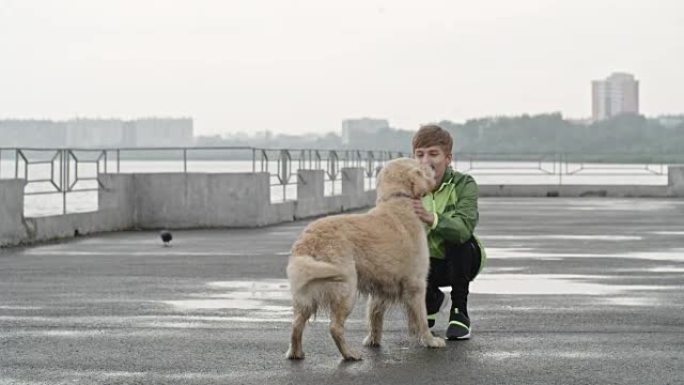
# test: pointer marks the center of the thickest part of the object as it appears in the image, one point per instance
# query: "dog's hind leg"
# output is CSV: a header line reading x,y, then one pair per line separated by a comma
x,y
375,311
340,308
414,298
301,315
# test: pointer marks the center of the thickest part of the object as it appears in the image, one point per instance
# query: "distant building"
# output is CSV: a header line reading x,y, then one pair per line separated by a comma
x,y
93,132
617,94
97,133
355,129
32,133
155,132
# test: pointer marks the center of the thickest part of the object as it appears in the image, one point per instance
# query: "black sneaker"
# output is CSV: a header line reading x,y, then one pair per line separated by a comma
x,y
459,326
435,305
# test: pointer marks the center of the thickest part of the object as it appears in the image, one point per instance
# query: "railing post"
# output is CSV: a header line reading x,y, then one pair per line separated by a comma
x,y
560,168
16,163
264,156
284,171
66,187
332,168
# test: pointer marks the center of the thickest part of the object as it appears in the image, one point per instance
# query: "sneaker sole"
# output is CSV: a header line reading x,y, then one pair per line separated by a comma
x,y
465,337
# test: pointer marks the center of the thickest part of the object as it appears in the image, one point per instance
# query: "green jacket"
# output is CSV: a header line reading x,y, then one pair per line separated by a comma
x,y
455,206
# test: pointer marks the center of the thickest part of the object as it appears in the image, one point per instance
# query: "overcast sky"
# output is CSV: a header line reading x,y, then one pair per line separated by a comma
x,y
303,66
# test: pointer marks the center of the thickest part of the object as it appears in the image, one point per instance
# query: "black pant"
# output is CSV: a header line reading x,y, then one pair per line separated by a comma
x,y
460,265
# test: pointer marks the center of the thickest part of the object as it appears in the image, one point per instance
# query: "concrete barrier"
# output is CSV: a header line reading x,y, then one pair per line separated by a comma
x,y
11,211
180,201
199,200
311,201
115,213
353,195
675,180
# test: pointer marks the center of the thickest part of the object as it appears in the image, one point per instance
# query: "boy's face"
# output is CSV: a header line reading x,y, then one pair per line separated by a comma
x,y
434,157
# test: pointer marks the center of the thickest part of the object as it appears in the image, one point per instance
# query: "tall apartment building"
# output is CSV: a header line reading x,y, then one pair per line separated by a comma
x,y
617,94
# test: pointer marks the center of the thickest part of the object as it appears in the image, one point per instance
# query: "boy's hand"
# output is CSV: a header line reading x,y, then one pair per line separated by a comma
x,y
422,214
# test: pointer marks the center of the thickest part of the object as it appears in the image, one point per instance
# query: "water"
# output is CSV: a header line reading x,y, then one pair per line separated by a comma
x,y
485,172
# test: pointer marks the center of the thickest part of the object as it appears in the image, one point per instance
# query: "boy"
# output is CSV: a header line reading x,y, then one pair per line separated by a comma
x,y
451,214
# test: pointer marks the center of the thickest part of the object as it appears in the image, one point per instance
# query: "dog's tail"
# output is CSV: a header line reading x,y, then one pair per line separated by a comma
x,y
303,270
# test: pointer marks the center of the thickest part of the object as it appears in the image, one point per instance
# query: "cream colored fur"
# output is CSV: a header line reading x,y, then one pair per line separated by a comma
x,y
382,253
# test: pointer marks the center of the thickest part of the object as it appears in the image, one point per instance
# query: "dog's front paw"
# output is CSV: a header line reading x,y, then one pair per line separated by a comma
x,y
352,355
293,355
434,342
371,342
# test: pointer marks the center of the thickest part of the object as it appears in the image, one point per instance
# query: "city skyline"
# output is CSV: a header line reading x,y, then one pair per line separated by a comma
x,y
304,67
97,133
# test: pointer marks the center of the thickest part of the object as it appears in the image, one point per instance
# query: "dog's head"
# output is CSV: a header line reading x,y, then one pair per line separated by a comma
x,y
405,176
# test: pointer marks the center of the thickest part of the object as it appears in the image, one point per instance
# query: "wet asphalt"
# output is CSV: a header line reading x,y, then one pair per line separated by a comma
x,y
575,291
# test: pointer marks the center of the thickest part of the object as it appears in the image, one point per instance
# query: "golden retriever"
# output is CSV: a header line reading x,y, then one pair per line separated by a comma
x,y
382,253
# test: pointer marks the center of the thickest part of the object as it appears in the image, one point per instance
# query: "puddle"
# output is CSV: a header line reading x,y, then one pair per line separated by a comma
x,y
245,301
241,304
294,232
632,301
270,299
154,376
227,323
63,333
549,284
622,205
264,285
667,269
263,299
259,295
675,255
532,354
564,237
492,269
167,251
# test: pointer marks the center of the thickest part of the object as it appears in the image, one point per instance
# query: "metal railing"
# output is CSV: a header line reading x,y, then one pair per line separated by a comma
x,y
63,171
68,172
562,168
